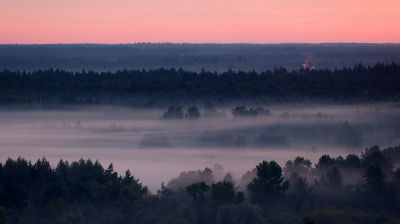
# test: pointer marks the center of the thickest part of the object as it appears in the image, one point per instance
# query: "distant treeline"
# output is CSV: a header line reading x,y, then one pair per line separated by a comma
x,y
353,189
194,57
380,82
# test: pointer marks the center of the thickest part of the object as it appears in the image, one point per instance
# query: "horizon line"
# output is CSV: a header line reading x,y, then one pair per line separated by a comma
x,y
204,43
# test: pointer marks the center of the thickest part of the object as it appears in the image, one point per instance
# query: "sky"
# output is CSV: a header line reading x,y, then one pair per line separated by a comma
x,y
199,21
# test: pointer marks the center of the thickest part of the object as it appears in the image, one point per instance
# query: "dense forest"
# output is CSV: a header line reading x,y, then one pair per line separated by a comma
x,y
380,82
361,188
193,57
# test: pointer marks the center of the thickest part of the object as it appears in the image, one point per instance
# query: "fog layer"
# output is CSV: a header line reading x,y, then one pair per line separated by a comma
x,y
157,150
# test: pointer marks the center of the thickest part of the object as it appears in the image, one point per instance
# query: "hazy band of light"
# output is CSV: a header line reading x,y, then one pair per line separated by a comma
x,y
258,21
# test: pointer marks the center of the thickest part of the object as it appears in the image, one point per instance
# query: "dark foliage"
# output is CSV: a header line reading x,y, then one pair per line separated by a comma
x,y
152,87
193,112
197,191
85,192
269,185
79,191
242,111
173,112
223,192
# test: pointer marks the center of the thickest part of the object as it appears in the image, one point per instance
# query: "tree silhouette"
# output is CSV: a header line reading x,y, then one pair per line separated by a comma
x,y
193,112
223,192
299,165
334,178
84,192
373,157
298,191
173,112
197,191
269,184
375,180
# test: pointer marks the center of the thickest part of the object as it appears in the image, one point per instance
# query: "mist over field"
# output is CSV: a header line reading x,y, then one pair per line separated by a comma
x,y
157,150
208,133
199,112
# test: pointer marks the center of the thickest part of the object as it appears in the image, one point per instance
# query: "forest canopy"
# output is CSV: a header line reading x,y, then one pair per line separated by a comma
x,y
380,82
361,188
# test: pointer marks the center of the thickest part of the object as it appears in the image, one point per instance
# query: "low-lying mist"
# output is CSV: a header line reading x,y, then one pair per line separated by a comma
x,y
157,150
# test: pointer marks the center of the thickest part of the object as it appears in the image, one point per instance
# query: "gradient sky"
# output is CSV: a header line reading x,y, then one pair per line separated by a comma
x,y
211,21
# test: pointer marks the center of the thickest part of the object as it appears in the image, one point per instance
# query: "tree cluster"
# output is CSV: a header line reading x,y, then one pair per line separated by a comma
x,y
163,86
177,112
351,189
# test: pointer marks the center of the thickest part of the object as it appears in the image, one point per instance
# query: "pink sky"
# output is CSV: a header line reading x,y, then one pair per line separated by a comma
x,y
211,21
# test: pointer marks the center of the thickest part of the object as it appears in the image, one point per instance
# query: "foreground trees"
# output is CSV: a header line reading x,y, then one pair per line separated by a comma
x,y
338,190
269,184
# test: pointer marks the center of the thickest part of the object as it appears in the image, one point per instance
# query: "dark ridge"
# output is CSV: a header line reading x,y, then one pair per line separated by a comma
x,y
380,82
